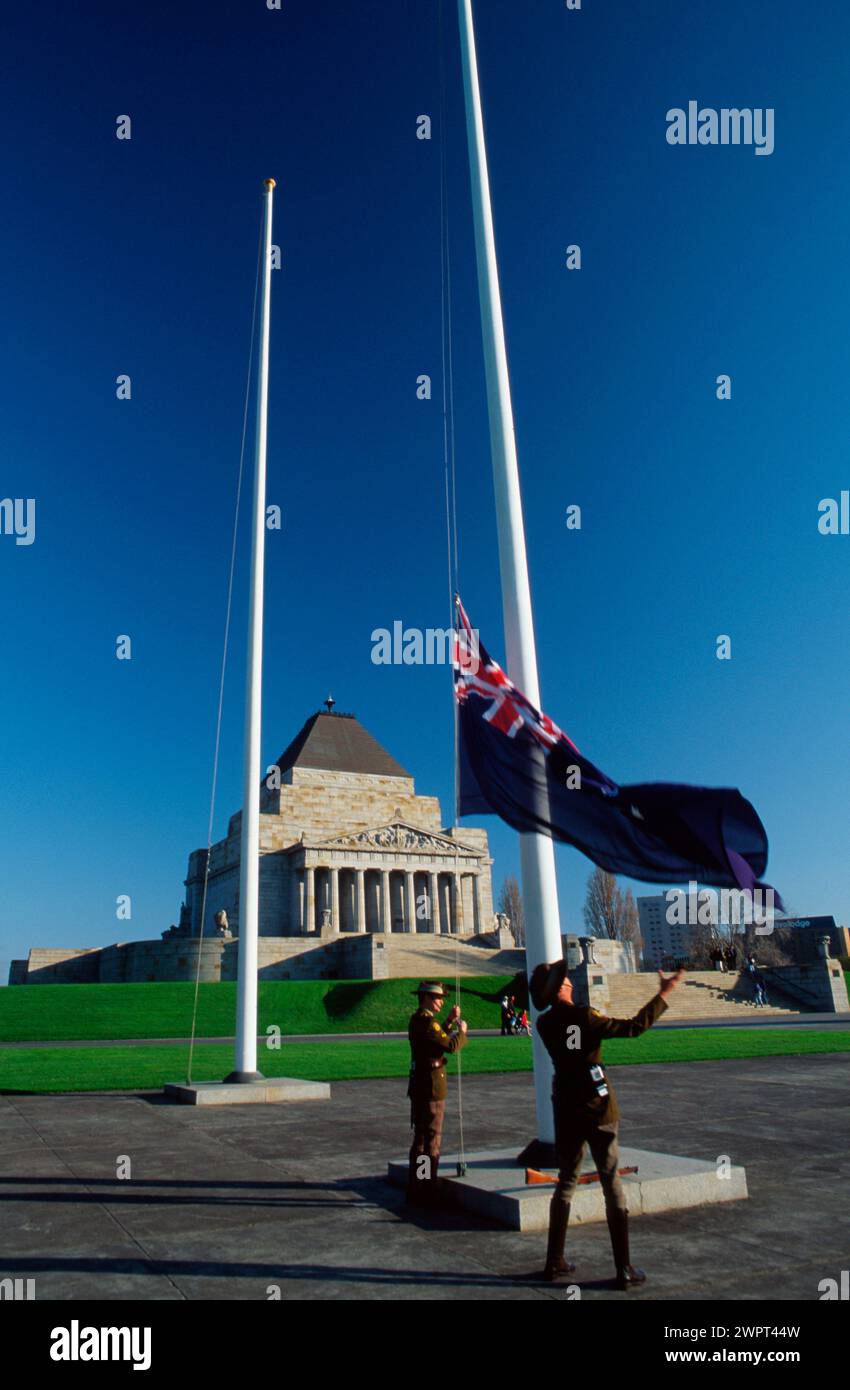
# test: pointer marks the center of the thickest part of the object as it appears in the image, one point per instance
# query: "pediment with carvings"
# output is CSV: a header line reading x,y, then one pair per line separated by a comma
x,y
402,837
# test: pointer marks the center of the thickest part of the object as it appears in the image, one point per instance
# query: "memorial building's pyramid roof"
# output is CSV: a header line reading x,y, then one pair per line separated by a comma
x,y
339,743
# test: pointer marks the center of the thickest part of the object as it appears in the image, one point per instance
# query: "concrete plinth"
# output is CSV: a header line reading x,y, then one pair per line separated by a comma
x,y
494,1187
269,1090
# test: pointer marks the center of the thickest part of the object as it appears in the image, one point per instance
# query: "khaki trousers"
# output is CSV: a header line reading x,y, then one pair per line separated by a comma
x,y
571,1136
427,1120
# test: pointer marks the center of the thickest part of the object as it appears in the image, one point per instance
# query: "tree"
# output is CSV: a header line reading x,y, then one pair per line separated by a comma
x,y
609,912
510,903
704,938
769,949
766,948
630,925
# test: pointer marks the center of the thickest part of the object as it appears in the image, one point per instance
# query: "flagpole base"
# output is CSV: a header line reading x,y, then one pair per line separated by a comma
x,y
237,1078
538,1154
272,1090
493,1187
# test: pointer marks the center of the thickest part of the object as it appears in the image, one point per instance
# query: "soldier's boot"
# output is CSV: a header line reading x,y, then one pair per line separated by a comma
x,y
557,1267
618,1225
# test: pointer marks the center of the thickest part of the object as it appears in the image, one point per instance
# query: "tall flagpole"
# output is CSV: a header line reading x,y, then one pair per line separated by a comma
x,y
249,866
537,853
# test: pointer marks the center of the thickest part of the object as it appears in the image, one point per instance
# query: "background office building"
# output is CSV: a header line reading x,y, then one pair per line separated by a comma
x,y
662,940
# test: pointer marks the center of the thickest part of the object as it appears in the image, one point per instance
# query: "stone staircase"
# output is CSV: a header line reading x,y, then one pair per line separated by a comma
x,y
701,994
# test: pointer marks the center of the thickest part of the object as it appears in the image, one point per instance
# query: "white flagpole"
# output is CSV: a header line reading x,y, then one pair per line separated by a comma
x,y
249,867
537,854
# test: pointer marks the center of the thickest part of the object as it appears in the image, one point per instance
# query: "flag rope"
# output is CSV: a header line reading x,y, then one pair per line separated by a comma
x,y
450,484
225,646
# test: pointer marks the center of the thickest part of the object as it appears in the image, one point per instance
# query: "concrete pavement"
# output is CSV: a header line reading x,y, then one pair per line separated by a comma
x,y
228,1203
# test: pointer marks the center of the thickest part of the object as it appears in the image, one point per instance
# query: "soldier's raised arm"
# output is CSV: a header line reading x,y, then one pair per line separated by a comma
x,y
605,1027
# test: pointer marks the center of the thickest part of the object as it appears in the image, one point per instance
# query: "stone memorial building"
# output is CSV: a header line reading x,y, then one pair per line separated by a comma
x,y
358,880
347,846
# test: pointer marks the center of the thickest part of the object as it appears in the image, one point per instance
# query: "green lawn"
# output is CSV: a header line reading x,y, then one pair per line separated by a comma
x,y
56,1013
140,1068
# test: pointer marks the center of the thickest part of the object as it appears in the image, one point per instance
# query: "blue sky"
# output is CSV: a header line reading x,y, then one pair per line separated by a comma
x,y
699,516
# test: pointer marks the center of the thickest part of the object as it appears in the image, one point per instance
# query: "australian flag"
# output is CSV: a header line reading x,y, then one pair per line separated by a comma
x,y
516,763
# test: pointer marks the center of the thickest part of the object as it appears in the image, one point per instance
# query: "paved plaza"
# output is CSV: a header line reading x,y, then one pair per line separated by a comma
x,y
226,1203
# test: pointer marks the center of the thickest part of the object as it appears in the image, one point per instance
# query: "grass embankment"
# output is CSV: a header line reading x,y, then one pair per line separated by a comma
x,y
57,1013
141,1068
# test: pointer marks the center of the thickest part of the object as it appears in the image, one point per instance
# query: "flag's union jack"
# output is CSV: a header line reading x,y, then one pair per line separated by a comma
x,y
476,673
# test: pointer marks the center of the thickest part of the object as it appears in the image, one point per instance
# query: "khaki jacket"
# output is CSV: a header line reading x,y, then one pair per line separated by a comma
x,y
430,1044
573,1035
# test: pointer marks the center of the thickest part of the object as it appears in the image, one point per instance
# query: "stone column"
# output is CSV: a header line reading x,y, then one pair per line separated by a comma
x,y
310,895
386,909
361,900
435,903
296,926
410,902
377,887
457,904
335,922
476,905
466,902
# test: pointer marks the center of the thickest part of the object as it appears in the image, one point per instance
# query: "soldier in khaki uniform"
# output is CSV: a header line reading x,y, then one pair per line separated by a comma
x,y
586,1111
430,1044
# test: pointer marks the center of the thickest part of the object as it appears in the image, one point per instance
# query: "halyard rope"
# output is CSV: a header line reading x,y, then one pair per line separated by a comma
x,y
449,471
225,645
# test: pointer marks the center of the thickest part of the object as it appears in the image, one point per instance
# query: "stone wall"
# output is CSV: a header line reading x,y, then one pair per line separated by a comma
x,y
819,986
61,965
144,962
312,958
320,803
612,956
372,956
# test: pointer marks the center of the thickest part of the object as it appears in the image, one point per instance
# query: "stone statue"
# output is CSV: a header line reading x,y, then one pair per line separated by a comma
x,y
222,927
504,935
